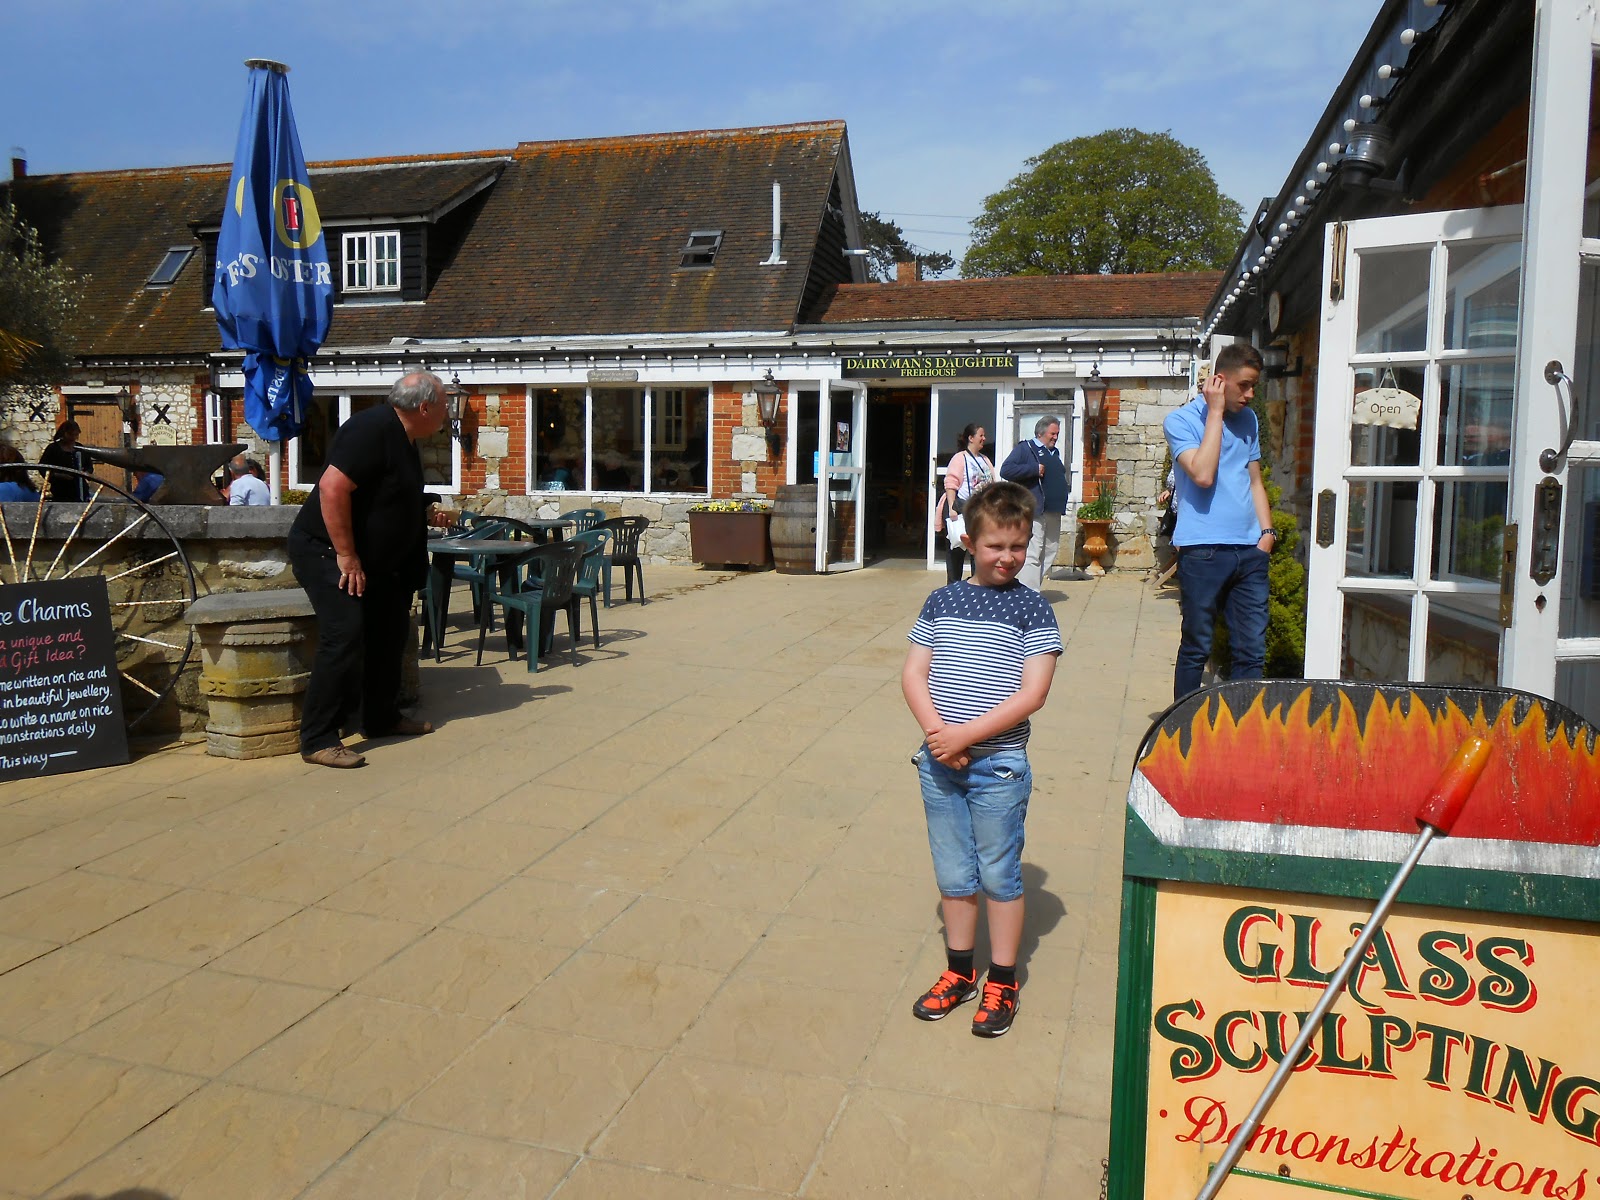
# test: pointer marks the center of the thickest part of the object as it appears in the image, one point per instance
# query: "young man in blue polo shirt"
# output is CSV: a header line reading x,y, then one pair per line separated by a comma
x,y
1224,532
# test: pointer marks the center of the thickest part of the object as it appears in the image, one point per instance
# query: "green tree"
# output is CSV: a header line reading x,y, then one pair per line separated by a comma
x,y
1119,202
38,300
886,243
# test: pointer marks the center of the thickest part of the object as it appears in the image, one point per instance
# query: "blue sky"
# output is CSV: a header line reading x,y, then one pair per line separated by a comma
x,y
945,100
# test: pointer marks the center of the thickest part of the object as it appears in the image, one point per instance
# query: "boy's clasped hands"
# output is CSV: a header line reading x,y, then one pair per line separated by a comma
x,y
948,746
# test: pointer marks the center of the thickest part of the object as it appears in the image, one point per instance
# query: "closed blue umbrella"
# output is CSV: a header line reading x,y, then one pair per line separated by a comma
x,y
273,291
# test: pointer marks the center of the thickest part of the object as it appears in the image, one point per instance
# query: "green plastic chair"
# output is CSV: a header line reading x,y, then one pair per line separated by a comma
x,y
586,518
625,552
552,570
596,564
475,570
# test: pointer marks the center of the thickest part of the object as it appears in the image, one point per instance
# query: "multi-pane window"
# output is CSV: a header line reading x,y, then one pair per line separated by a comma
x,y
308,454
669,417
371,261
621,439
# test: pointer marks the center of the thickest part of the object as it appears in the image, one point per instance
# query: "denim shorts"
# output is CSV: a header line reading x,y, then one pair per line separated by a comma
x,y
975,818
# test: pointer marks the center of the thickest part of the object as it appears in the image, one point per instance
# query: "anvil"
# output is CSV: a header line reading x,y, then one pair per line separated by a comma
x,y
187,469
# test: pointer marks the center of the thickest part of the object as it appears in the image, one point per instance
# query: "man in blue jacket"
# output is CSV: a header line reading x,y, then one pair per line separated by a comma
x,y
1224,532
1036,464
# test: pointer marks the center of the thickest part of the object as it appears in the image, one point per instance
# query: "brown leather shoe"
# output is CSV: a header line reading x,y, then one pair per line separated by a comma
x,y
335,756
406,727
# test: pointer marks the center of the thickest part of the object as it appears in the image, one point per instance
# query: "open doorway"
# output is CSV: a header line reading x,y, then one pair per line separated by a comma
x,y
898,496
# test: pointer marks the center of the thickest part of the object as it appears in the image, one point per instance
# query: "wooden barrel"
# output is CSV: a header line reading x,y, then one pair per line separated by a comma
x,y
794,529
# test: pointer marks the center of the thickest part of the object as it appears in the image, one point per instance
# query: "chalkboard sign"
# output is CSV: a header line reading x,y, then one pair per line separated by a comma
x,y
60,696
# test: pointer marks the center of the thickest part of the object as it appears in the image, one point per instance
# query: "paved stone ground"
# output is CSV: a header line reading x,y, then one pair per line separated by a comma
x,y
646,927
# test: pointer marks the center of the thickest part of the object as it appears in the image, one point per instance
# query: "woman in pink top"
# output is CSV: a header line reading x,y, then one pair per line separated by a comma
x,y
970,470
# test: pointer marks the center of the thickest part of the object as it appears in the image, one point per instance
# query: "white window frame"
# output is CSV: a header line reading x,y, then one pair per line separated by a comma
x,y
216,418
345,402
1339,570
660,424
364,251
667,425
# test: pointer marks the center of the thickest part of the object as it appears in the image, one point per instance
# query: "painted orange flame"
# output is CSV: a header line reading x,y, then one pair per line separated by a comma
x,y
1334,771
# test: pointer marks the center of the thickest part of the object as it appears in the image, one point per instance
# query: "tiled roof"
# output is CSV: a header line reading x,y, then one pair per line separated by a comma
x,y
577,237
1023,298
585,237
115,227
399,188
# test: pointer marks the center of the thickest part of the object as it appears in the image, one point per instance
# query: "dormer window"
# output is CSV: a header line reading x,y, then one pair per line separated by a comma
x,y
170,265
702,248
372,261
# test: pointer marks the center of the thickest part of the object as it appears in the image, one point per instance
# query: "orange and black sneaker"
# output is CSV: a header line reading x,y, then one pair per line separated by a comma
x,y
944,997
996,1010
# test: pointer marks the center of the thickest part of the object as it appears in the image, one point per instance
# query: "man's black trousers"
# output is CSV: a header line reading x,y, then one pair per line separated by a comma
x,y
355,677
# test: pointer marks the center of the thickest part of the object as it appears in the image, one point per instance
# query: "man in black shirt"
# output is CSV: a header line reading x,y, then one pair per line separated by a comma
x,y
359,548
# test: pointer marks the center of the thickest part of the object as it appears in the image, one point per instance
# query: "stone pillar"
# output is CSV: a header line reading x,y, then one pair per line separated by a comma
x,y
255,659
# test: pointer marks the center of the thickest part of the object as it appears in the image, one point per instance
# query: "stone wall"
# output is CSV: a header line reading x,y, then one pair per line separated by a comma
x,y
170,405
230,549
1137,448
666,541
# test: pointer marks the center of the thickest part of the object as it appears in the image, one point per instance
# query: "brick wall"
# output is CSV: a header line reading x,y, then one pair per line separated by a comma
x,y
739,447
1100,471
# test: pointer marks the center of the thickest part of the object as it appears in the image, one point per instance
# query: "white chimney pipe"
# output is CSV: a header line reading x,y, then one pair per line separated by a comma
x,y
776,259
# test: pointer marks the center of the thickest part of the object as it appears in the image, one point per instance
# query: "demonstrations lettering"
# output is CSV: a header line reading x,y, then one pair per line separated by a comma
x,y
1417,993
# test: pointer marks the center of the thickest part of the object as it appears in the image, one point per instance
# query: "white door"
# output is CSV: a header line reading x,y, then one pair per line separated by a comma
x,y
1553,647
841,478
1415,424
954,408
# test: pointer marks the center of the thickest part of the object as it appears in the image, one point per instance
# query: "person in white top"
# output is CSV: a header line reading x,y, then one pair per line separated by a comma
x,y
245,488
970,471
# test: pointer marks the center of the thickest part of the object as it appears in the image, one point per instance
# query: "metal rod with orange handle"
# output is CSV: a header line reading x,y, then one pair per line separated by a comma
x,y
1437,816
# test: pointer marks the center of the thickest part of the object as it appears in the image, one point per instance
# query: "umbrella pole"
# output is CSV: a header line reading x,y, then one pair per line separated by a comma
x,y
1436,817
275,471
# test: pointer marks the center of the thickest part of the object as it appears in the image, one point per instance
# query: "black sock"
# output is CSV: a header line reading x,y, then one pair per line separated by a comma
x,y
960,961
1006,976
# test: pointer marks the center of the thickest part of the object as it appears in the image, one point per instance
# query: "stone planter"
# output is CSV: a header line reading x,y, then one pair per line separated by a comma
x,y
730,538
255,658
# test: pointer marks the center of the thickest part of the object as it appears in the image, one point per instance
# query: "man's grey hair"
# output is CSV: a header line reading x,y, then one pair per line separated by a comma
x,y
415,390
237,466
1044,423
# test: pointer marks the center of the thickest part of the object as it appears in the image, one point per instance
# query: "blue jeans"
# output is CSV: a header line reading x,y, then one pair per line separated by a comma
x,y
1227,579
975,818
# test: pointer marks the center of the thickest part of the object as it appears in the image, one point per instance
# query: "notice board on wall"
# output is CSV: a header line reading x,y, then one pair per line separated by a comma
x,y
60,696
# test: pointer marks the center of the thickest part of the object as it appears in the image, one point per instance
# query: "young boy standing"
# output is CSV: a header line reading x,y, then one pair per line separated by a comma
x,y
983,653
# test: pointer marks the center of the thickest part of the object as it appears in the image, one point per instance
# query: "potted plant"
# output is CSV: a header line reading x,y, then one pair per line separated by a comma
x,y
730,532
1095,518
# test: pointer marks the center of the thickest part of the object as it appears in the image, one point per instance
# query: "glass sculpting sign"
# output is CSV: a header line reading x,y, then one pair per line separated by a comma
x,y
1264,819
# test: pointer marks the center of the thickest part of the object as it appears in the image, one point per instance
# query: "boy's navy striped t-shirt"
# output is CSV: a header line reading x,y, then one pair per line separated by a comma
x,y
979,637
